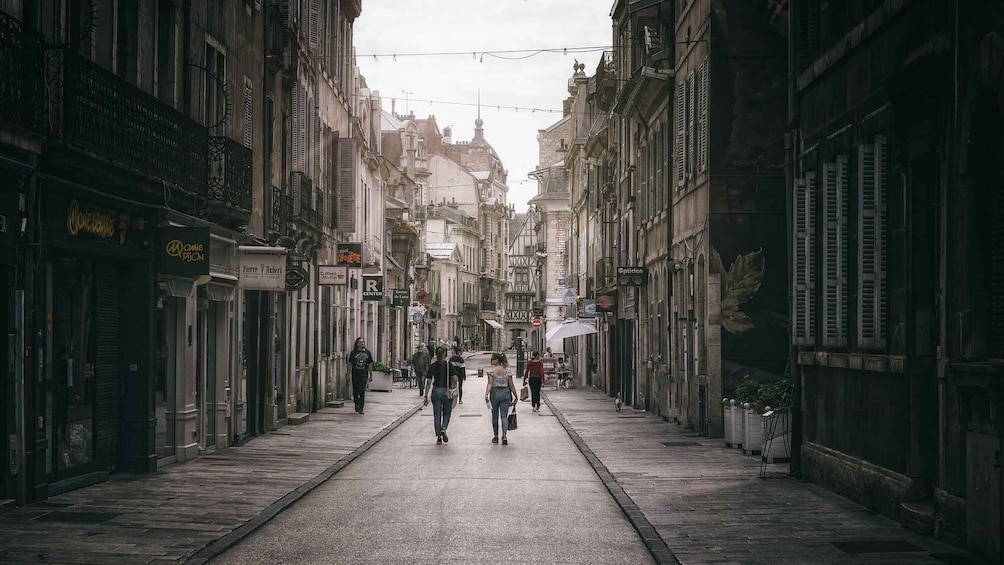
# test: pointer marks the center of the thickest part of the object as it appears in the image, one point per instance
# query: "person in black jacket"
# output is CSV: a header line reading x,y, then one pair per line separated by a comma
x,y
438,382
361,368
459,369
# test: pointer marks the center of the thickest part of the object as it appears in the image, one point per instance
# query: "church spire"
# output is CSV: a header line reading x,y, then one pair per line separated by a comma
x,y
479,132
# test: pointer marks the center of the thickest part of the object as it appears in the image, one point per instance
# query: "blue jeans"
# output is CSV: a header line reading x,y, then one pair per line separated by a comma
x,y
501,398
442,407
420,377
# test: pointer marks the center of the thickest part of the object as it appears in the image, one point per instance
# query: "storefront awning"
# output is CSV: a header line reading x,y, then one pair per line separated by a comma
x,y
494,324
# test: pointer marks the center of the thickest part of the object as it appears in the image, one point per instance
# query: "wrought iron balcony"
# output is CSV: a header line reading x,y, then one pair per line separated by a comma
x,y
279,212
487,305
94,111
302,199
22,90
470,307
229,174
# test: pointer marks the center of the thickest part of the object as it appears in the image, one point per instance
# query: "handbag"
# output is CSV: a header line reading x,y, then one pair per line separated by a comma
x,y
452,393
524,393
512,419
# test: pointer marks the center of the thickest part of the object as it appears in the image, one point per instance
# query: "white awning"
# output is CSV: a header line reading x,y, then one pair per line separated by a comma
x,y
494,324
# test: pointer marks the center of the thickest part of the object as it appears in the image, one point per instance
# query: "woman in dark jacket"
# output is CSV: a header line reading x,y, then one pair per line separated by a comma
x,y
535,374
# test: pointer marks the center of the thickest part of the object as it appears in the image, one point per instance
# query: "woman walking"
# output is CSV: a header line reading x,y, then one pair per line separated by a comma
x,y
535,374
361,365
501,393
439,381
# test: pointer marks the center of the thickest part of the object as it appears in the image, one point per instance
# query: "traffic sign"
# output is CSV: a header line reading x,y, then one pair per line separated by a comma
x,y
536,322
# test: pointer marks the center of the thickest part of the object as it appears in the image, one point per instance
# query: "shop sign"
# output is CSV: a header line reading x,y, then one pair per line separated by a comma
x,y
349,255
372,287
589,308
296,278
262,268
184,251
606,301
86,220
400,297
632,276
332,275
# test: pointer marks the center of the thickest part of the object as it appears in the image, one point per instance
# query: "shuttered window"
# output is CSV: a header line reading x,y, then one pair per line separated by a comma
x,y
702,119
294,132
314,31
872,175
804,309
346,213
681,132
691,110
248,113
835,252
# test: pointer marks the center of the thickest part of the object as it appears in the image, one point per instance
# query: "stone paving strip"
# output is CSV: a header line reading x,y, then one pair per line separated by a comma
x,y
708,505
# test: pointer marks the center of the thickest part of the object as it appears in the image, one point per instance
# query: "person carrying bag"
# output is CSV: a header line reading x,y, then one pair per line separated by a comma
x,y
534,373
501,393
442,383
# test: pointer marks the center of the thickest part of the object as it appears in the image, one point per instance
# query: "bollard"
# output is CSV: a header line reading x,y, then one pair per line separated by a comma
x,y
481,373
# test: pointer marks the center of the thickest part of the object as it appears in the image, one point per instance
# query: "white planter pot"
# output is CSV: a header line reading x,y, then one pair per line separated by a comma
x,y
382,381
753,434
733,425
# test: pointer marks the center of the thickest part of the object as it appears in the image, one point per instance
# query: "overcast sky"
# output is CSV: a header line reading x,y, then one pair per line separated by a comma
x,y
481,30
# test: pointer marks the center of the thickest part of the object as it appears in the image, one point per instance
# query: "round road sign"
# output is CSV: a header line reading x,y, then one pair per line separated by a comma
x,y
536,322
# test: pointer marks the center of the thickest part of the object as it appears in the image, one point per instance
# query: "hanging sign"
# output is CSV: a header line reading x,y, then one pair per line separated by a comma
x,y
400,297
372,287
332,275
262,268
349,255
184,251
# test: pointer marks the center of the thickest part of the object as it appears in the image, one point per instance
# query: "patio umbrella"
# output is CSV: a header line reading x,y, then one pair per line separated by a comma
x,y
569,328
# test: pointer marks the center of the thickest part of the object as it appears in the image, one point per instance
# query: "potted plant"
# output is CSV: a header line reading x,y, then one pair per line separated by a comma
x,y
382,377
776,421
748,396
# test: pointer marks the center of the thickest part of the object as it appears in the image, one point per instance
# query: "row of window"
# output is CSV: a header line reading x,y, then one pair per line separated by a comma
x,y
823,210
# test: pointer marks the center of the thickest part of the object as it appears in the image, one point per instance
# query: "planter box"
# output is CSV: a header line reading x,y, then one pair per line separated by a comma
x,y
753,432
776,429
733,425
382,381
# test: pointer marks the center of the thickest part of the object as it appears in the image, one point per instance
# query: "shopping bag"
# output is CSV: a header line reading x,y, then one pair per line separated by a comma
x,y
524,393
512,419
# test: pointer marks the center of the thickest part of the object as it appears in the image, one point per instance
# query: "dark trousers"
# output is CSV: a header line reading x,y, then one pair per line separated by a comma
x,y
460,389
535,383
359,390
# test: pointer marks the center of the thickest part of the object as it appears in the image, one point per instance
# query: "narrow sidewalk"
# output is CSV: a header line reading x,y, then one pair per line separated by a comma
x,y
189,512
692,500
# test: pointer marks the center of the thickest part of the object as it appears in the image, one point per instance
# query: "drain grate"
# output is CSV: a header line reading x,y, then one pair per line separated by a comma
x,y
876,546
77,517
681,444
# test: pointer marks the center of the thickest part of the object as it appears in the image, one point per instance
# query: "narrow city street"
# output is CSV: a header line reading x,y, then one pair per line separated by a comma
x,y
408,500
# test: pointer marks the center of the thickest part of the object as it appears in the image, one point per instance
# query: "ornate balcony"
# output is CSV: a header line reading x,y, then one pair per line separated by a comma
x,y
230,176
22,90
487,305
302,199
279,212
95,112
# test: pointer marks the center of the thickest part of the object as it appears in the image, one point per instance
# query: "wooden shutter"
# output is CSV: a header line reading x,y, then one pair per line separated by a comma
x,y
807,42
301,133
314,23
804,308
248,113
681,129
691,111
835,252
872,165
294,130
346,215
702,119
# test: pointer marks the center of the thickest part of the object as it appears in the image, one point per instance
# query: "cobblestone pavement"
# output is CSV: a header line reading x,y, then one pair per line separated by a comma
x,y
691,499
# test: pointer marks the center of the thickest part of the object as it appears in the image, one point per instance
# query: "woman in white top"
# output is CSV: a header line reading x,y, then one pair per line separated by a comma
x,y
501,393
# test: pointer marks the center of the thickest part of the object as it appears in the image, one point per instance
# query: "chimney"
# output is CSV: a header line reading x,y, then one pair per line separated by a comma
x,y
447,135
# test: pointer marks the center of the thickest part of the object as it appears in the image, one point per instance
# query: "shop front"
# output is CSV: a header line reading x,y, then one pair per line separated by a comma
x,y
90,398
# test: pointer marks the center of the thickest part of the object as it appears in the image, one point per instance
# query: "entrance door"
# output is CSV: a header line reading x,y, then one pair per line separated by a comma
x,y
983,494
8,418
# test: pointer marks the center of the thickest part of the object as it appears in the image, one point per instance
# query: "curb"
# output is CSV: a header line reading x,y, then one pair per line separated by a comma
x,y
646,531
216,548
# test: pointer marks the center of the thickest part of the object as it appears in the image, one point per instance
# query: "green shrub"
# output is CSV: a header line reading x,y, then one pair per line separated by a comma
x,y
747,391
383,368
775,394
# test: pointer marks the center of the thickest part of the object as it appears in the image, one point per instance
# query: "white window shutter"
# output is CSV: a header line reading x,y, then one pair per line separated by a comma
x,y
294,133
346,212
804,309
872,172
301,157
314,31
835,252
681,128
702,124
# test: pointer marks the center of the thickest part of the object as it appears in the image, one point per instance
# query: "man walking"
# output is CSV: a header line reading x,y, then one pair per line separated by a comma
x,y
420,362
361,367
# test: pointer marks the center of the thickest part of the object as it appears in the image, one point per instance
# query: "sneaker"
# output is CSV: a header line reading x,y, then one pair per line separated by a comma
x,y
495,439
460,402
505,441
446,438
439,440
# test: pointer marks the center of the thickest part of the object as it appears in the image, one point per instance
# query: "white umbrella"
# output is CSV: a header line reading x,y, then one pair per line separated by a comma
x,y
569,328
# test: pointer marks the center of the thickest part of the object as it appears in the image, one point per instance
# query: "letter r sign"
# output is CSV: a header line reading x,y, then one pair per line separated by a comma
x,y
372,287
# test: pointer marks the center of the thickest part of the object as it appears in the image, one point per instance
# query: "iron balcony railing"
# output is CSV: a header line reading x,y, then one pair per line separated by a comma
x,y
229,173
22,88
302,199
279,211
487,305
98,112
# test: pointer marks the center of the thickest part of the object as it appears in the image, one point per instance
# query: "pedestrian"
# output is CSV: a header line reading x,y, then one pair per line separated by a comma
x,y
439,382
501,393
534,373
419,362
460,370
360,362
548,353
